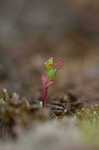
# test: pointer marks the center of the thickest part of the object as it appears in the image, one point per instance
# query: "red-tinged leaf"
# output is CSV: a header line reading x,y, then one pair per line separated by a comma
x,y
49,83
46,82
54,62
60,63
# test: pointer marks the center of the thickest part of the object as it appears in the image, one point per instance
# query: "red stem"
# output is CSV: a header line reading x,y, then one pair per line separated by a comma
x,y
44,97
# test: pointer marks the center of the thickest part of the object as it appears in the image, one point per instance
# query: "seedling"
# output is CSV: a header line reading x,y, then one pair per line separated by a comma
x,y
51,66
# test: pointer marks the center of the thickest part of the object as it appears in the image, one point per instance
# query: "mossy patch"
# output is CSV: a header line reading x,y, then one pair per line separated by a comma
x,y
88,122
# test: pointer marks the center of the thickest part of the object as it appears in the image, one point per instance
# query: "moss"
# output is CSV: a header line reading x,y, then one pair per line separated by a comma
x,y
88,122
17,111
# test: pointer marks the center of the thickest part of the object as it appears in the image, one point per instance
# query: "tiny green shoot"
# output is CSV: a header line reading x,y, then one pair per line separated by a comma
x,y
51,66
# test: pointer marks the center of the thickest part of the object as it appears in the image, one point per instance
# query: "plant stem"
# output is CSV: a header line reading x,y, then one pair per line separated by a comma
x,y
44,97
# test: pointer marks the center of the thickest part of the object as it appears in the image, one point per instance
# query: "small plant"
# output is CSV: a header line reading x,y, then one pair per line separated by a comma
x,y
51,66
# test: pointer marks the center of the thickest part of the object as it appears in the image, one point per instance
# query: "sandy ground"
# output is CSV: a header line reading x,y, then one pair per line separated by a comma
x,y
52,135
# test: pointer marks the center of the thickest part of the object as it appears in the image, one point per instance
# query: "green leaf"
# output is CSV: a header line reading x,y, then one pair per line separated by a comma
x,y
49,63
48,67
51,74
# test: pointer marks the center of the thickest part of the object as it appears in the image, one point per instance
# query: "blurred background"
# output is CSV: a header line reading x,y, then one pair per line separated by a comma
x,y
32,30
